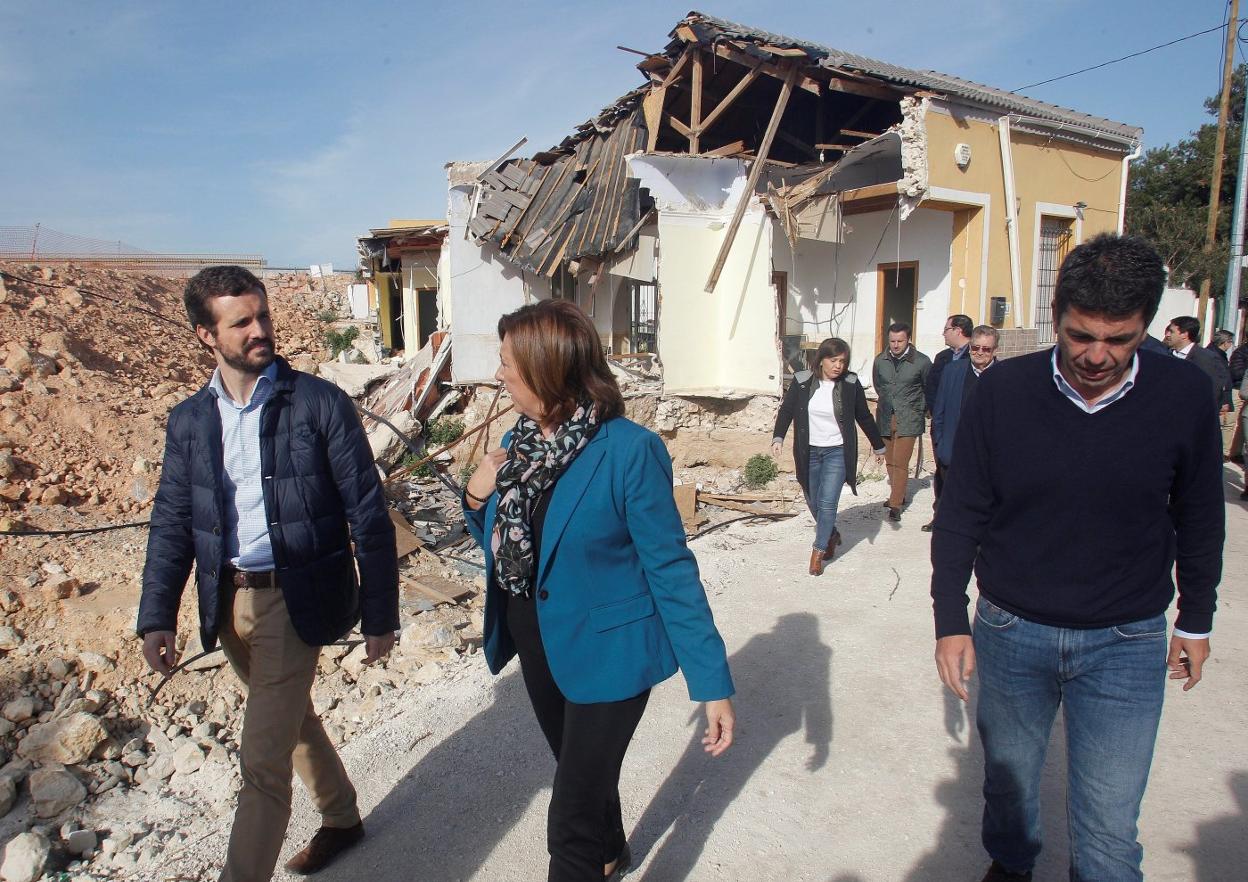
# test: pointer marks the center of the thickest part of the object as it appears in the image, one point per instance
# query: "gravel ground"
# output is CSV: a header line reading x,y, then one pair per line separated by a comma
x,y
851,763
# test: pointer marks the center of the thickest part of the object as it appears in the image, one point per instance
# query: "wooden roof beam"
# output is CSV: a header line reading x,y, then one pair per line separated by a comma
x,y
756,171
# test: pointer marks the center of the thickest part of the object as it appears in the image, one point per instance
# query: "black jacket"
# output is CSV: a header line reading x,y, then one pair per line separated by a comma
x,y
794,409
321,493
1238,362
1215,365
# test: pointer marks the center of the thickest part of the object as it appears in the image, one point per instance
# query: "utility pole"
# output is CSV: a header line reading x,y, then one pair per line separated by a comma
x,y
1224,109
1234,269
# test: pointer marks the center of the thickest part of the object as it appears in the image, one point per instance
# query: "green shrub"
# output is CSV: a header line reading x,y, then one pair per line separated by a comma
x,y
466,473
340,341
328,315
443,430
760,469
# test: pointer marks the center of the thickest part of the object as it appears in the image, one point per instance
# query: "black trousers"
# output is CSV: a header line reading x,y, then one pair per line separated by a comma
x,y
938,480
584,827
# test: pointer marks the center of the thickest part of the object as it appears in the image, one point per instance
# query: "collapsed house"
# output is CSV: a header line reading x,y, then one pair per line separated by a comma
x,y
760,193
399,263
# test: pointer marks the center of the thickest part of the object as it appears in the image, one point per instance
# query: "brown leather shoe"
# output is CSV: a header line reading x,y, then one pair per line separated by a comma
x,y
326,844
816,562
833,541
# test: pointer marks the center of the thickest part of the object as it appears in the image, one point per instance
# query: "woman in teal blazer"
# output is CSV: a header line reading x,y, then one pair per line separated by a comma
x,y
589,580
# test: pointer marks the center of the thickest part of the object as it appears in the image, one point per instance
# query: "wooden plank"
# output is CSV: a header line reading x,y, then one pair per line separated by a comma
x,y
652,109
835,146
695,105
741,506
680,127
686,496
405,540
752,181
723,50
510,150
514,175
495,181
742,84
679,67
785,51
542,204
856,134
866,90
686,33
727,150
436,588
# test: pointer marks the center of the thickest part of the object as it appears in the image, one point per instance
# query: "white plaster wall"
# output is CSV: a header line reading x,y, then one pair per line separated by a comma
x,y
833,289
721,344
480,286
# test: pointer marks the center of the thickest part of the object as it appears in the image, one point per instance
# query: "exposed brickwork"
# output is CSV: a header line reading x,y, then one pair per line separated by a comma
x,y
1018,341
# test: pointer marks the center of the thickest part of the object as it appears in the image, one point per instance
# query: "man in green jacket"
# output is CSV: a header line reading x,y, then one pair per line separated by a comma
x,y
899,376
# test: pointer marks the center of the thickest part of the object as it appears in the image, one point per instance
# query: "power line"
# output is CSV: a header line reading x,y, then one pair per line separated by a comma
x,y
1123,58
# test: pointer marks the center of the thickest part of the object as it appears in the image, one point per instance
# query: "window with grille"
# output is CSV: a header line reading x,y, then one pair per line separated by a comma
x,y
1056,238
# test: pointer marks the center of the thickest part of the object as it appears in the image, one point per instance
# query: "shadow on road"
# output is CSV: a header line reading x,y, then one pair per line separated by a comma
x,y
445,816
1220,851
958,852
783,680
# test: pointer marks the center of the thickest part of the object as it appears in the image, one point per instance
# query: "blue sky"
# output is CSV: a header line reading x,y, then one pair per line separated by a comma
x,y
289,128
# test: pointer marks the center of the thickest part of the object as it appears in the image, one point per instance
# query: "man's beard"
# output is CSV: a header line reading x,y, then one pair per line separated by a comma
x,y
249,361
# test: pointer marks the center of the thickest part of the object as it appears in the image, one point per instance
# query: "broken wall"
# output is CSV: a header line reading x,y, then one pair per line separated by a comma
x,y
834,289
480,286
722,344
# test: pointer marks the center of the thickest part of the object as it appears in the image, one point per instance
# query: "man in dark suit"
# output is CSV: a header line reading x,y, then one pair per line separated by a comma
x,y
957,333
956,384
1182,335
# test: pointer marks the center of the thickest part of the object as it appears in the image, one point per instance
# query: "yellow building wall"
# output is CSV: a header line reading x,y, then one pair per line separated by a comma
x,y
1046,170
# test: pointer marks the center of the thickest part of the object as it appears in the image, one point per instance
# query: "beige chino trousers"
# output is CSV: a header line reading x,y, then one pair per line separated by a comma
x,y
897,452
281,732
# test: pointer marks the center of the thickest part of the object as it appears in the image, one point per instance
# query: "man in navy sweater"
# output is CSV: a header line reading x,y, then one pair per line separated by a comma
x,y
1085,475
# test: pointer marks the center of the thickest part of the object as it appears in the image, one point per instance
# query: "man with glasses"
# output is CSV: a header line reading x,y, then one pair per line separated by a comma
x,y
957,333
956,384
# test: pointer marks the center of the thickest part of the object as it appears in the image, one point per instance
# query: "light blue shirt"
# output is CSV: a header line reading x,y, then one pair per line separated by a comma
x,y
1127,384
247,545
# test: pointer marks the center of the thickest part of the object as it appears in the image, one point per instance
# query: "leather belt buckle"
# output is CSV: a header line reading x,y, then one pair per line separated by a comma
x,y
243,579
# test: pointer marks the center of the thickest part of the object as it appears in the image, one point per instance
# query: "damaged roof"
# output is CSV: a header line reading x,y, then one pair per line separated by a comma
x,y
710,29
571,201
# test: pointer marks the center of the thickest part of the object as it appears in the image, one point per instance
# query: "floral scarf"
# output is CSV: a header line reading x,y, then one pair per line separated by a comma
x,y
532,467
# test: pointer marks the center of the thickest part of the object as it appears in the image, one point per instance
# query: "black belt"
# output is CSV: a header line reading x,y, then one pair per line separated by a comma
x,y
245,579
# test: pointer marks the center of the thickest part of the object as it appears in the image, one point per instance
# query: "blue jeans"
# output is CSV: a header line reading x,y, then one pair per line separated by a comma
x,y
826,478
1111,682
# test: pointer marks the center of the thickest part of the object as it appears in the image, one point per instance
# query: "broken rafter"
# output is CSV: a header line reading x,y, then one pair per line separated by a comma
x,y
756,172
727,150
856,134
731,53
695,105
750,76
680,127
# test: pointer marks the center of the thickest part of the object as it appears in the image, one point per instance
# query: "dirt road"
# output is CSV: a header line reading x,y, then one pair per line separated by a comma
x,y
852,764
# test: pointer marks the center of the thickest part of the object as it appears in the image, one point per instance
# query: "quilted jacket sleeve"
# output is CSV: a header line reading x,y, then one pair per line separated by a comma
x,y
372,531
170,548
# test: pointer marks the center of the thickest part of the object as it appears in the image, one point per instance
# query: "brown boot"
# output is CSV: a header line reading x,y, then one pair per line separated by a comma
x,y
816,562
833,541
327,844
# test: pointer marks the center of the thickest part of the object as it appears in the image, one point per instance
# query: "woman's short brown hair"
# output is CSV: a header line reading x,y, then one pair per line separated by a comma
x,y
830,348
559,357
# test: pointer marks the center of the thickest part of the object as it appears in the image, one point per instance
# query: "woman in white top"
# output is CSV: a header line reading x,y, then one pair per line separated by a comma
x,y
823,405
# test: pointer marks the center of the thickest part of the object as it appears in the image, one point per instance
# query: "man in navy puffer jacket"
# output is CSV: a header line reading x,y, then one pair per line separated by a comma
x,y
267,484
